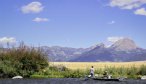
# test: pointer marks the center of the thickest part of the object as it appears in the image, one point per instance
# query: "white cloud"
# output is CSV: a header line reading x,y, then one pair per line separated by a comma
x,y
5,40
37,19
112,22
114,39
140,11
33,7
127,4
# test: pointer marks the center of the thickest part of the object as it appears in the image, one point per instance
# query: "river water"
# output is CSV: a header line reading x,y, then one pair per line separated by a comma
x,y
67,81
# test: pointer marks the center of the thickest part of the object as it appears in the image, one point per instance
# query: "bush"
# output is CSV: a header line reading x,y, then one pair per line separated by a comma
x,y
6,70
142,70
74,74
22,61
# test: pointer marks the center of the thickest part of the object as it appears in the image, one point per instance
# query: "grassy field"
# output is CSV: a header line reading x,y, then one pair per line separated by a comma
x,y
79,69
87,65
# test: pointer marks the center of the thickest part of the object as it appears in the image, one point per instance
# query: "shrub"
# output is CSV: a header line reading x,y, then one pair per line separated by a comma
x,y
22,61
142,70
74,74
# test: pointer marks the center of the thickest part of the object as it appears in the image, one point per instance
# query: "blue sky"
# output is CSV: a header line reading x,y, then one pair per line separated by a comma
x,y
72,23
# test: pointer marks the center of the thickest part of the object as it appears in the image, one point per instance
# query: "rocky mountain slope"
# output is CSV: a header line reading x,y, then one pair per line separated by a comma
x,y
57,53
122,50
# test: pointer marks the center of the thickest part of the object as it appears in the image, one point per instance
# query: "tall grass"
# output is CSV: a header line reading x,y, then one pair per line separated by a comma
x,y
116,72
98,65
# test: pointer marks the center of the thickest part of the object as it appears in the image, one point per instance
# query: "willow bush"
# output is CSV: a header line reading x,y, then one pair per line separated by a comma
x,y
22,60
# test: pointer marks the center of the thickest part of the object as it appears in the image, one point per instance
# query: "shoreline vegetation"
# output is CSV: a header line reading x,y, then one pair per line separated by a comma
x,y
21,60
60,71
31,62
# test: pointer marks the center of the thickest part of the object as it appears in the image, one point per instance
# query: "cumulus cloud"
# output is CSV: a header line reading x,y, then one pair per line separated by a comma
x,y
127,4
114,39
112,22
140,11
33,7
130,4
5,40
37,19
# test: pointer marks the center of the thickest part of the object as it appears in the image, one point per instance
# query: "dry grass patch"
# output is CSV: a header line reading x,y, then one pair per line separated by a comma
x,y
87,65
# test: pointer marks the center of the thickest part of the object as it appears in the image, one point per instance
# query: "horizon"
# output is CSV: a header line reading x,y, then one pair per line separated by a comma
x,y
73,23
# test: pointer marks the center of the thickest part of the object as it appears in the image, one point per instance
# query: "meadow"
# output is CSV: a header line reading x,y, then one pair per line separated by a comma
x,y
97,65
116,69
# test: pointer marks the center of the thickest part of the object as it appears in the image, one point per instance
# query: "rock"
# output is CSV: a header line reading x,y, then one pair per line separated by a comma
x,y
96,75
17,77
122,78
109,76
143,78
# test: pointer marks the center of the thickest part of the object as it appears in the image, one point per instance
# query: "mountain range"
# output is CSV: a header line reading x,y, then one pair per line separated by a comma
x,y
123,50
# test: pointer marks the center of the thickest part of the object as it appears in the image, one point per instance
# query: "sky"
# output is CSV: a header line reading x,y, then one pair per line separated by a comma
x,y
72,23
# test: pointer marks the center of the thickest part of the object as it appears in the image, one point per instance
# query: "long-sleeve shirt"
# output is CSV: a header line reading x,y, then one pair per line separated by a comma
x,y
92,70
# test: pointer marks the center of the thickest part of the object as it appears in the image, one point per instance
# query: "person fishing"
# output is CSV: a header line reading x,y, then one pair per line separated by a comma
x,y
105,74
92,72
